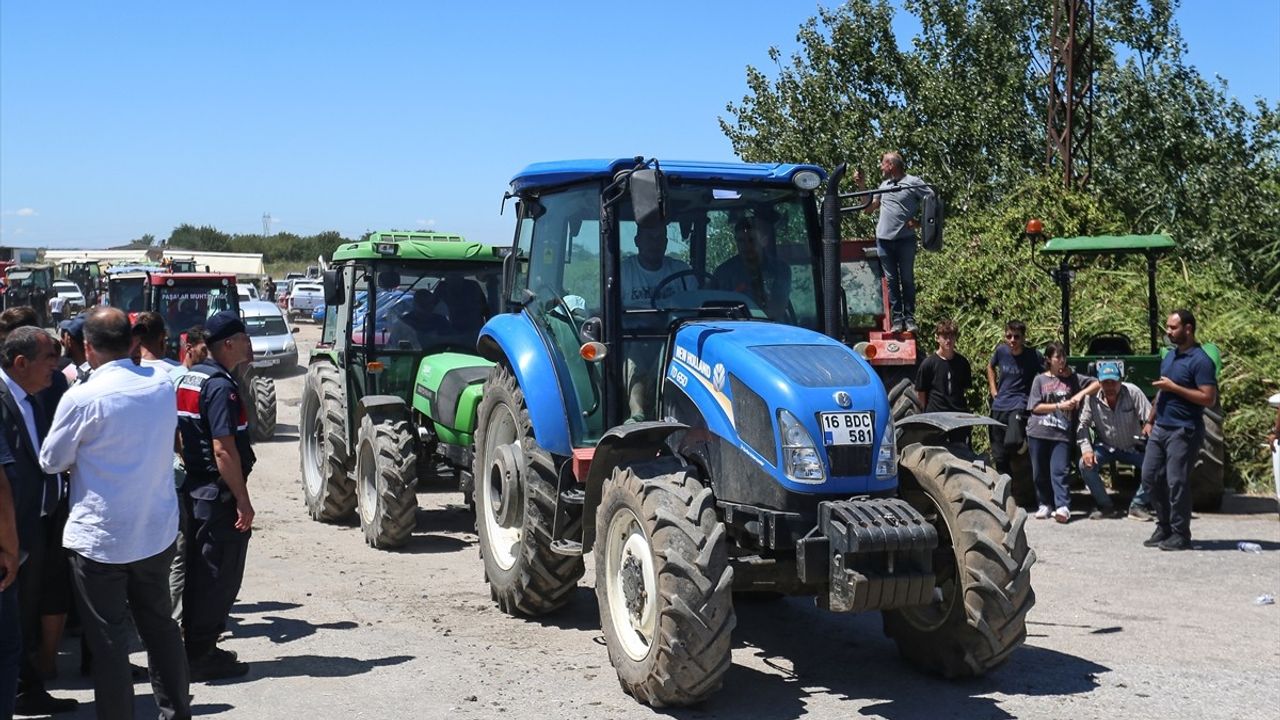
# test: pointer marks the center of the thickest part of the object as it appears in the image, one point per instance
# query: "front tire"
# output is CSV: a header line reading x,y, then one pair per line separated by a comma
x,y
664,583
515,504
327,488
386,480
982,564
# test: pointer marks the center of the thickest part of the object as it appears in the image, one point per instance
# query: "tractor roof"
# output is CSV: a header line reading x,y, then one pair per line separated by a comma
x,y
168,278
396,245
548,174
1108,245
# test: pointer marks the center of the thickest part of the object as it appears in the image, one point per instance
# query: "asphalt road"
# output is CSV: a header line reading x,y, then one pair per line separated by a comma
x,y
334,629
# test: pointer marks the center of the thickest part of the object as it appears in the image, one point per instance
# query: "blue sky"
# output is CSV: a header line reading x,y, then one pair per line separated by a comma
x,y
124,118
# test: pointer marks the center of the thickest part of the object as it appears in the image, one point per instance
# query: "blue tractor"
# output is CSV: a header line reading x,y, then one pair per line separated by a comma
x,y
670,391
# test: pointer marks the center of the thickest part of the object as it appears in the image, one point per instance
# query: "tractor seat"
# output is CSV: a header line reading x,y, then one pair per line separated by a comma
x,y
1112,343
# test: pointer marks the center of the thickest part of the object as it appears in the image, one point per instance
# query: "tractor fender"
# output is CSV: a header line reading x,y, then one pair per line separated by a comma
x,y
382,406
620,446
929,428
513,338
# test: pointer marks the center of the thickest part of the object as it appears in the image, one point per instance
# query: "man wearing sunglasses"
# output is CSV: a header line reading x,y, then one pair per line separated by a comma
x,y
1012,369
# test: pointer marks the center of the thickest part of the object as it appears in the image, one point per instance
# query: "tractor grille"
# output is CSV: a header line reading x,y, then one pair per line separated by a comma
x,y
849,460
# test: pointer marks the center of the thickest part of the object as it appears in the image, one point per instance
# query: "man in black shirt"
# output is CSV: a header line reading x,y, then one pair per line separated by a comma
x,y
214,498
944,377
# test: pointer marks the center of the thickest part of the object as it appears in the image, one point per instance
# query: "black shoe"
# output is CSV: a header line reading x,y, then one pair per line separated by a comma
x,y
1175,542
898,326
40,702
1157,537
215,666
911,327
224,655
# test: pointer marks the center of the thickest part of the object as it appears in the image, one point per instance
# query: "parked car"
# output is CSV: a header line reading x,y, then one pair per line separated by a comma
x,y
304,299
70,291
271,335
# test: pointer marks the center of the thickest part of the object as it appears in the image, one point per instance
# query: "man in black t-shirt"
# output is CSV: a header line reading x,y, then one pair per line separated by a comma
x,y
944,377
214,498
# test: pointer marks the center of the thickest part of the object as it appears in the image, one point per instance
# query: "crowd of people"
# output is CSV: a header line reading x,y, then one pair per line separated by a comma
x,y
133,540
1040,401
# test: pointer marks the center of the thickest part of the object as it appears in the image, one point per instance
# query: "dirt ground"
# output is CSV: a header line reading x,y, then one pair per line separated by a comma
x,y
335,629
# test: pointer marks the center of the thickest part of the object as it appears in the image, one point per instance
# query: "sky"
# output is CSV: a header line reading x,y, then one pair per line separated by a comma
x,y
127,118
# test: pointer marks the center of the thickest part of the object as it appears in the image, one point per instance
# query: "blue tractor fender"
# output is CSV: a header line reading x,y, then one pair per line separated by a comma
x,y
622,445
512,338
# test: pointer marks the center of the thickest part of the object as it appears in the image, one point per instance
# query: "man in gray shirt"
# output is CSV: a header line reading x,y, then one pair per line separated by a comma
x,y
896,236
1110,425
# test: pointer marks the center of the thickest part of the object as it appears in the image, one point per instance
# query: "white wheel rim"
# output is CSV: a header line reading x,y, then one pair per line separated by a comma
x,y
313,454
630,568
501,542
366,472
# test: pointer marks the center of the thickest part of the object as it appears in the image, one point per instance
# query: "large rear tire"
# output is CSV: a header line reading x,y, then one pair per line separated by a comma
x,y
327,487
1207,478
903,401
983,566
262,420
386,480
515,504
664,583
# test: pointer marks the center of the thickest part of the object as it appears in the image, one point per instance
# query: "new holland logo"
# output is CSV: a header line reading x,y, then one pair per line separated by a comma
x,y
843,399
717,376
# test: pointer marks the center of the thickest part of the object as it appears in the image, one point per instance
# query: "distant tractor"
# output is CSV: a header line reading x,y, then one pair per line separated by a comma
x,y
29,284
1137,367
392,388
185,300
710,433
87,275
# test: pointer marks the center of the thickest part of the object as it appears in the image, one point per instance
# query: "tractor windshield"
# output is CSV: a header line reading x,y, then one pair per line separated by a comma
x,y
183,306
420,306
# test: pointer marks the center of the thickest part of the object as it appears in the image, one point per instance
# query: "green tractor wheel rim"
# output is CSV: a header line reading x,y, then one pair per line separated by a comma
x,y
631,585
502,540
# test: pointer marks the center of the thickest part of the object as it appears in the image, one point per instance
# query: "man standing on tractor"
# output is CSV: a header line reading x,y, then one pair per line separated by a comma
x,y
1188,384
896,236
1110,430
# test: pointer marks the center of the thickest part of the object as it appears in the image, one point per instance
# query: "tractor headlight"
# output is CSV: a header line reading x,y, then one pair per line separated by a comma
x,y
887,456
800,459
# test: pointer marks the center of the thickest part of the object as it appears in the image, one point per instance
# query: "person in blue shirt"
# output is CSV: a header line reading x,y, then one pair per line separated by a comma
x,y
1010,372
1188,384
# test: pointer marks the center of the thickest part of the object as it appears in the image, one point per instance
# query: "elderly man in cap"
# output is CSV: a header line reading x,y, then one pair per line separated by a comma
x,y
213,423
1111,431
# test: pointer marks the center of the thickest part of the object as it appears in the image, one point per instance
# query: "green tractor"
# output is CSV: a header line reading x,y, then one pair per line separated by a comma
x,y
392,388
1138,367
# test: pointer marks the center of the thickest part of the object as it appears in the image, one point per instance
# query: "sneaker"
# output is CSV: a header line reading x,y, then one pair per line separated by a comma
x,y
898,326
1175,542
912,327
216,666
1043,512
1141,512
1105,513
40,702
1157,537
224,655
1062,515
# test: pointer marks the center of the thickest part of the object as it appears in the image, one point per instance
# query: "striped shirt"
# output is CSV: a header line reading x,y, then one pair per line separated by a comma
x,y
1113,427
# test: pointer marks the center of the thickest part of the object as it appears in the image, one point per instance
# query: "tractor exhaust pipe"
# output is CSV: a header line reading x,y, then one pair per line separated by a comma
x,y
831,255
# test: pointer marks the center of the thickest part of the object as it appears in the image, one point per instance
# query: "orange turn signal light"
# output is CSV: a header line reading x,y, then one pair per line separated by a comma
x,y
376,366
1035,227
593,351
869,351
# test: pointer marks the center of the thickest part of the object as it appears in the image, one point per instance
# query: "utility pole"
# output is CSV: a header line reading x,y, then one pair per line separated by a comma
x,y
1070,118
266,224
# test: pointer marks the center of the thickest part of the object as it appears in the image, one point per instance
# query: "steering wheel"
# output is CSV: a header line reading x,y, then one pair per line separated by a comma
x,y
703,279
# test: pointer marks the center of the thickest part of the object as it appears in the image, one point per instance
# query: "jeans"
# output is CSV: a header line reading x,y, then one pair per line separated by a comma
x,y
999,454
109,594
1171,452
898,260
1093,479
1050,460
10,649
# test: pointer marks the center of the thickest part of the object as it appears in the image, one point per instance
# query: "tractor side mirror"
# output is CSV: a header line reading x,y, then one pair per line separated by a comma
x,y
648,199
931,221
333,289
592,330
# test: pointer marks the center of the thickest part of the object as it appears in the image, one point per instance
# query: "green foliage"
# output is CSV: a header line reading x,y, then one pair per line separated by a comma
x,y
282,250
965,104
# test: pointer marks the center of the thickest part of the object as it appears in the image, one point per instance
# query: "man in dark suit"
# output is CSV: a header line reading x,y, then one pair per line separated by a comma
x,y
28,360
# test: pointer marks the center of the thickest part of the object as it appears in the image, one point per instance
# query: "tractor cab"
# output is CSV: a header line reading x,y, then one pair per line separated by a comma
x,y
182,299
29,284
86,274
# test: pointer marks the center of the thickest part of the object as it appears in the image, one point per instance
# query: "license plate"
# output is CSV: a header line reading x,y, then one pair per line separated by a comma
x,y
847,428
266,361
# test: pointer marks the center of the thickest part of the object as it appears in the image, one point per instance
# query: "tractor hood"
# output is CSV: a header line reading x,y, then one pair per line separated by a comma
x,y
741,374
